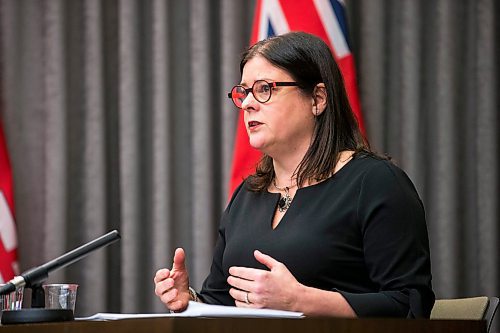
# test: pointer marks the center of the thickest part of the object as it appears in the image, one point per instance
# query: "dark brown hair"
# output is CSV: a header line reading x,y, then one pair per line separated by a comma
x,y
309,61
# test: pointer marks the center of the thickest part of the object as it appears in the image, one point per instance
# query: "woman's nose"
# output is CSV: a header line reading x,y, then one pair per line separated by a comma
x,y
249,102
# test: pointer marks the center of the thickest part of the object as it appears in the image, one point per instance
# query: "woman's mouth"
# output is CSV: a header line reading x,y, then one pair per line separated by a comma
x,y
252,125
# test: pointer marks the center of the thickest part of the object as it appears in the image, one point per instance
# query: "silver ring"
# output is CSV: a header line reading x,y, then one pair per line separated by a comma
x,y
246,298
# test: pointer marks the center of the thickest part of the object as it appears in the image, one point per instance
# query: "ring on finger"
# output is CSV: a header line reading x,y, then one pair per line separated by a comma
x,y
246,298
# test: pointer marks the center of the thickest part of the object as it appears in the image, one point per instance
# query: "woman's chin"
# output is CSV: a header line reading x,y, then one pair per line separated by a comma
x,y
257,144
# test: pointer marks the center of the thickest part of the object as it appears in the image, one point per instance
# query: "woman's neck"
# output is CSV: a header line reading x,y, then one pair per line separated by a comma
x,y
285,169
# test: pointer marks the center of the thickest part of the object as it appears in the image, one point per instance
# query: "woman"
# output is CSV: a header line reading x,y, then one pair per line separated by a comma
x,y
324,226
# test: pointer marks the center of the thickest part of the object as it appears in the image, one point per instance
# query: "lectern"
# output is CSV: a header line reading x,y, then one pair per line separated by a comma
x,y
255,325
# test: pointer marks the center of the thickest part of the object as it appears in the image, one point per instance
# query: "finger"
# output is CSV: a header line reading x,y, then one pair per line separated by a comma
x,y
169,296
266,260
161,275
177,306
240,297
246,273
241,284
179,259
163,286
241,304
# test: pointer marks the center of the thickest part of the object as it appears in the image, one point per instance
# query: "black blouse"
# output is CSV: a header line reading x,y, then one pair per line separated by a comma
x,y
361,232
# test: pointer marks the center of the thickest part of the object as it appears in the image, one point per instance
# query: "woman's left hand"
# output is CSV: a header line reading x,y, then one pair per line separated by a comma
x,y
257,288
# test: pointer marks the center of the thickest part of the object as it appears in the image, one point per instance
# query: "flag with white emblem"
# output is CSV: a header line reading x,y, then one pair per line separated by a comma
x,y
8,239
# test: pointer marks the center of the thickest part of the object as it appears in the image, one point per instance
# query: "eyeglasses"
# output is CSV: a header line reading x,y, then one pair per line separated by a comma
x,y
261,91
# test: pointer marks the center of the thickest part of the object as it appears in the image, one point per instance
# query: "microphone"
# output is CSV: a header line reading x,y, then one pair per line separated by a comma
x,y
37,275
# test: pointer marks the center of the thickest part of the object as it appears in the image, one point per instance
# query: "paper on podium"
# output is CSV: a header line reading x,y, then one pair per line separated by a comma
x,y
202,310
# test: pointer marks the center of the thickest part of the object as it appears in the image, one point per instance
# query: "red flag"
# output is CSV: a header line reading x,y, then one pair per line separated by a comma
x,y
323,18
8,239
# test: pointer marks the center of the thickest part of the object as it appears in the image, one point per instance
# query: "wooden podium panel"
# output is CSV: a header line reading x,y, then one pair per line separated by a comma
x,y
253,325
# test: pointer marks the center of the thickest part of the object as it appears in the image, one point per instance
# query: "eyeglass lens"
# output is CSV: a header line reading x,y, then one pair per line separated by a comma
x,y
260,89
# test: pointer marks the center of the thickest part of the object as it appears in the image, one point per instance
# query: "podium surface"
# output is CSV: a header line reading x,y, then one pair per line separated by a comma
x,y
252,325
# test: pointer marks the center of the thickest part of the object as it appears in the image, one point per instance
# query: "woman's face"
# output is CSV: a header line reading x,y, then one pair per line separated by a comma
x,y
284,124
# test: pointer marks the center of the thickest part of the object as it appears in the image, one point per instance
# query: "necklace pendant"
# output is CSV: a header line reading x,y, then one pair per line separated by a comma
x,y
284,202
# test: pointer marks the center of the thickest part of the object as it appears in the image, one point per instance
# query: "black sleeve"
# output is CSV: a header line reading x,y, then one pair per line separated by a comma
x,y
215,289
395,245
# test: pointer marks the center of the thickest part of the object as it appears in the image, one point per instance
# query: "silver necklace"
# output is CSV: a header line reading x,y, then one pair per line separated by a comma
x,y
285,200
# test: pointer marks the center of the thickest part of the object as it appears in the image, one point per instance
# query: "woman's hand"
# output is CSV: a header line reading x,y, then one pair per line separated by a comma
x,y
172,286
256,288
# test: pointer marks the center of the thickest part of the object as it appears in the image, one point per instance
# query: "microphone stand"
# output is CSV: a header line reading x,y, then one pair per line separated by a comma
x,y
33,278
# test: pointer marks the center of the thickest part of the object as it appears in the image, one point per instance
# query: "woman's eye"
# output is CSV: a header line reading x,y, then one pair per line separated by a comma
x,y
264,88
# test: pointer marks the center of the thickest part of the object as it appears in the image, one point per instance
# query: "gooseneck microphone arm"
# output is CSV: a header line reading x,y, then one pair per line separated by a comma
x,y
37,275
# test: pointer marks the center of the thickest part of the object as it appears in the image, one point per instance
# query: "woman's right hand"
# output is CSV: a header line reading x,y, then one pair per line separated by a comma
x,y
172,286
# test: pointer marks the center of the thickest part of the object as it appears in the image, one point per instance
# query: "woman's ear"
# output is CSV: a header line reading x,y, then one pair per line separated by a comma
x,y
319,99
